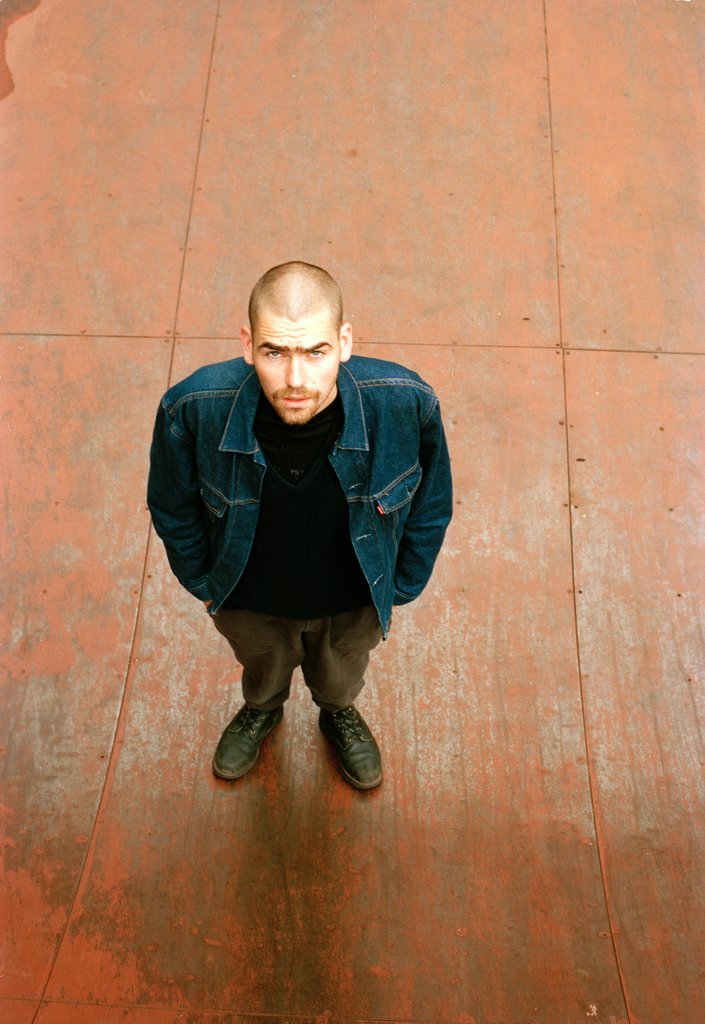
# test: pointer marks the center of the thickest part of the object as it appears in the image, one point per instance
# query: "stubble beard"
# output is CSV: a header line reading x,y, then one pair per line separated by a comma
x,y
299,417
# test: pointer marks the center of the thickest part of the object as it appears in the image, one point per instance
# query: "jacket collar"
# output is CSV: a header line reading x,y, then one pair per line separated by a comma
x,y
354,433
239,435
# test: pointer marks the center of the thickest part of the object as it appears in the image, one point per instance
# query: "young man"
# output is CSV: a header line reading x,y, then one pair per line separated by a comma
x,y
300,493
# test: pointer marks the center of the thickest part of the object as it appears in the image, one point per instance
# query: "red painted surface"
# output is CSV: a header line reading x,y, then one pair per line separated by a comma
x,y
99,140
403,144
629,130
18,1011
74,533
636,443
513,207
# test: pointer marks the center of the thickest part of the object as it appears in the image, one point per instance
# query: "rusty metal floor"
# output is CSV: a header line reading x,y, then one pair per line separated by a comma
x,y
512,197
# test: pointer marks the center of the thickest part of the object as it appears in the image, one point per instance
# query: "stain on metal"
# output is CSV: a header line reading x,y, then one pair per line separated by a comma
x,y
10,12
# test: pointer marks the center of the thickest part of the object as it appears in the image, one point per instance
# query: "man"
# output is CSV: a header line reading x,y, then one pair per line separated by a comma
x,y
300,492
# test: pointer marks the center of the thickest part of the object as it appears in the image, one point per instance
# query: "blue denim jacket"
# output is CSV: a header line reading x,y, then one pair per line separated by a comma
x,y
391,460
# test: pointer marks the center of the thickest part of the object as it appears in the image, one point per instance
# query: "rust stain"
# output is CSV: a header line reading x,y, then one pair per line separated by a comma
x,y
380,972
10,12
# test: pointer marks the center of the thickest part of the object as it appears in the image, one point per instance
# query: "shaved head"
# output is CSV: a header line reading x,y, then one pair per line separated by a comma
x,y
296,290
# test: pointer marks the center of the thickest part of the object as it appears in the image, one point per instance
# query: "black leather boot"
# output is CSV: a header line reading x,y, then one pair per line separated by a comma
x,y
239,745
358,754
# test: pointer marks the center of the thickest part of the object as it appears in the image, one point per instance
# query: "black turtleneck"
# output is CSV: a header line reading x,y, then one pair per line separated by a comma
x,y
302,564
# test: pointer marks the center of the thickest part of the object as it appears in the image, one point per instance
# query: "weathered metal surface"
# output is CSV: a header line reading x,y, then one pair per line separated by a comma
x,y
18,1011
74,533
628,113
99,142
638,477
403,145
407,146
65,1013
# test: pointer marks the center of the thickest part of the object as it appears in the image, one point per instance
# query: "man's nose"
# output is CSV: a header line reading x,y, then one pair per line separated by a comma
x,y
295,375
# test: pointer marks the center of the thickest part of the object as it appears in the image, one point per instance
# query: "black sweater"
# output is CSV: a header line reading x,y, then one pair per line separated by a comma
x,y
302,564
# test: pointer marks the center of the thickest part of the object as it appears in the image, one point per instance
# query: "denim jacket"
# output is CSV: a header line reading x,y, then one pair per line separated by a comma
x,y
391,460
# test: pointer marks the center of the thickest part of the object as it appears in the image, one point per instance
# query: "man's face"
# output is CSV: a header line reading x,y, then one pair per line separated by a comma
x,y
297,362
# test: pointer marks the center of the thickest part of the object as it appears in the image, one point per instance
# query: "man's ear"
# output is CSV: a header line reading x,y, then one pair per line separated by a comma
x,y
247,344
346,342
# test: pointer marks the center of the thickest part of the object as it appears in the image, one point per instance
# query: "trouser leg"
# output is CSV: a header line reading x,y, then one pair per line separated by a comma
x,y
337,652
268,648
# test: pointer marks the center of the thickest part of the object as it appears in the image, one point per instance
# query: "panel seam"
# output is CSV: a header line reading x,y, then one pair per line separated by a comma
x,y
592,782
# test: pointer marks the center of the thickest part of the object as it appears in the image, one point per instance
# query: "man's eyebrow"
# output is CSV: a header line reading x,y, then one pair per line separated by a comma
x,y
296,348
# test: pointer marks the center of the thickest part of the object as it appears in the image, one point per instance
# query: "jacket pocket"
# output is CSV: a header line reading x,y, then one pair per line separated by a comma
x,y
399,493
216,503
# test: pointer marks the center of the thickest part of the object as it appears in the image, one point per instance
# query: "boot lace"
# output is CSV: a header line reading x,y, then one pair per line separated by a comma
x,y
348,723
249,721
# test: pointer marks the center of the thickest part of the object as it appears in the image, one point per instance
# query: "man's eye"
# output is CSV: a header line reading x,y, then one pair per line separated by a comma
x,y
272,354
315,355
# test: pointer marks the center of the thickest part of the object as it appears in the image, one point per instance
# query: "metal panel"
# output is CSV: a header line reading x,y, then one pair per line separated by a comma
x,y
638,470
100,138
628,112
404,146
74,531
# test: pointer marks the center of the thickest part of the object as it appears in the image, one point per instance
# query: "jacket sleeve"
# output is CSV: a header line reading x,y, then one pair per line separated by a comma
x,y
174,501
430,513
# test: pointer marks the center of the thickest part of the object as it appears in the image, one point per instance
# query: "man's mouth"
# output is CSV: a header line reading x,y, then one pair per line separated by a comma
x,y
295,399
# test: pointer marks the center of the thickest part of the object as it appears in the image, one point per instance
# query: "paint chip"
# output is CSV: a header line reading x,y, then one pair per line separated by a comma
x,y
379,972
